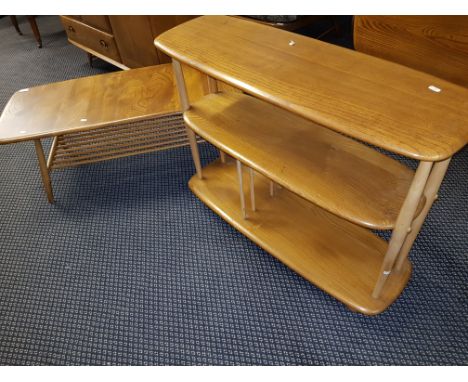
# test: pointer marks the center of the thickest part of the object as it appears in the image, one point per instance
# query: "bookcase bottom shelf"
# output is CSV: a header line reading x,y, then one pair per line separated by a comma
x,y
339,257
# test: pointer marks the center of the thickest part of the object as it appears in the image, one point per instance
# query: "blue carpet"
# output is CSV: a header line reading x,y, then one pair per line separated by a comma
x,y
129,268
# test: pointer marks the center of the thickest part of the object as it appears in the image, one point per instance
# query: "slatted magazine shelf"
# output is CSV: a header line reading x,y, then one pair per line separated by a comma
x,y
314,191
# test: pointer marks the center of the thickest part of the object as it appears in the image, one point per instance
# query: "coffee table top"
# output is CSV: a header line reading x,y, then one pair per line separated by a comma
x,y
373,100
90,102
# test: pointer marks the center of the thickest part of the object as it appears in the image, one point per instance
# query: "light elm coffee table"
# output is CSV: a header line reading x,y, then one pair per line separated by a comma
x,y
99,118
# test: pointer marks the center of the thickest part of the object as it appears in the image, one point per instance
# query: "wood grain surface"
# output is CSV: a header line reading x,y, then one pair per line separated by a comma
x,y
376,101
304,237
90,102
133,35
433,44
337,173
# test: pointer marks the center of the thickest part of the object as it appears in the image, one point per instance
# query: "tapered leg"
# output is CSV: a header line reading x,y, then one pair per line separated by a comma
x,y
14,21
35,29
195,153
403,224
184,101
430,192
44,170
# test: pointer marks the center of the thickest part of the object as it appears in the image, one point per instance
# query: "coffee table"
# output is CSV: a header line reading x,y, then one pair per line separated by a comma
x,y
97,118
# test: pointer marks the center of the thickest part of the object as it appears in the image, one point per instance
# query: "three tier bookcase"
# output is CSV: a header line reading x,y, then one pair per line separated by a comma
x,y
294,174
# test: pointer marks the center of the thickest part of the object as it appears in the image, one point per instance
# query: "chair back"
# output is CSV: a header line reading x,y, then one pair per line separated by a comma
x,y
437,45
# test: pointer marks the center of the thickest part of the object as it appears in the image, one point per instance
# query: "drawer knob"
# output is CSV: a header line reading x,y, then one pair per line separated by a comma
x,y
103,43
71,29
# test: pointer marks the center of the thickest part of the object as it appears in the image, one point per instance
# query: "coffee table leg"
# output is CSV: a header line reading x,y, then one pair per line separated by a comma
x,y
44,170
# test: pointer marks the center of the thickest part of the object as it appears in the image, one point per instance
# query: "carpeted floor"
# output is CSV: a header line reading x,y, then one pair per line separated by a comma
x,y
128,267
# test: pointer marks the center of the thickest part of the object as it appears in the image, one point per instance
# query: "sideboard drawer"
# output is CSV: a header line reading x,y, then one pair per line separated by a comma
x,y
92,38
97,21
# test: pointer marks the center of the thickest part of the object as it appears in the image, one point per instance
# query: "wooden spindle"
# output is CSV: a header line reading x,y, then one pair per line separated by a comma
x,y
252,188
241,188
213,88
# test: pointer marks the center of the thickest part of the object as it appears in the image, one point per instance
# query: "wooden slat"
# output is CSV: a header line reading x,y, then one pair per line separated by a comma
x,y
379,102
114,149
117,150
114,154
120,139
337,173
104,133
60,165
304,237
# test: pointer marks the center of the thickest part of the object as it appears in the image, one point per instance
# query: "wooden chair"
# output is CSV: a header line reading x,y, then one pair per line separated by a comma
x,y
437,45
34,28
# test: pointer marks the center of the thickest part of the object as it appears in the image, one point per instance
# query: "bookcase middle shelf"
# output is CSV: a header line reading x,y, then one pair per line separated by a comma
x,y
337,173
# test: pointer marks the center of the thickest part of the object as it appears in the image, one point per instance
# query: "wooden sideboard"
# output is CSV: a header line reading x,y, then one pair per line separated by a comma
x,y
124,41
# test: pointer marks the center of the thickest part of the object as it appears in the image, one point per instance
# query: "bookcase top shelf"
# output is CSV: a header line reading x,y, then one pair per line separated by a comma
x,y
382,103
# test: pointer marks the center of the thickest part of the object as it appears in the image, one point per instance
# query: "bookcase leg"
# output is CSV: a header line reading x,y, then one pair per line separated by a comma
x,y
430,192
252,188
241,188
195,152
185,103
44,170
403,224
